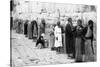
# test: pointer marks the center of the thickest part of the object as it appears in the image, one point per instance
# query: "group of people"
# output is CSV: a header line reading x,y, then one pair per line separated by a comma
x,y
78,40
30,29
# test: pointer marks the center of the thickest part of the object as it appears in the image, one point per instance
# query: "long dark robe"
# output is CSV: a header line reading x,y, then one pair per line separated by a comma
x,y
25,28
69,39
34,29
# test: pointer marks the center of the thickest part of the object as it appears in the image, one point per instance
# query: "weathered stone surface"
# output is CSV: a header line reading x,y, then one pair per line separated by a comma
x,y
24,53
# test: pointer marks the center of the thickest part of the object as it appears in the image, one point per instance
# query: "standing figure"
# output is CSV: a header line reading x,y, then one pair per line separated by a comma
x,y
69,38
89,49
58,37
52,39
34,29
25,28
79,42
19,27
30,30
42,27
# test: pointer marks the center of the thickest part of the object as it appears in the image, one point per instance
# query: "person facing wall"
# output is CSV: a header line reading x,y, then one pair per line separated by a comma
x,y
25,28
42,26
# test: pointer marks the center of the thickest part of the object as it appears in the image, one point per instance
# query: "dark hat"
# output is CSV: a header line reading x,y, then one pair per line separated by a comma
x,y
69,19
90,22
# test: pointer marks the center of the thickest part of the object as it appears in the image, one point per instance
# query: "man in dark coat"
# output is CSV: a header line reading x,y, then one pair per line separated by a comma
x,y
69,39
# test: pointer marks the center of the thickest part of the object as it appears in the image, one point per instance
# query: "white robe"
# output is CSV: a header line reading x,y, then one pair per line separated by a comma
x,y
58,37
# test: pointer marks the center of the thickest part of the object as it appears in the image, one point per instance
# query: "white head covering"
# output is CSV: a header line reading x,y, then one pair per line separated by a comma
x,y
43,34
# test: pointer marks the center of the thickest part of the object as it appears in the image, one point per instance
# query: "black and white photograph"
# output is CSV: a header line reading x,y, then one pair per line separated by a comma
x,y
49,33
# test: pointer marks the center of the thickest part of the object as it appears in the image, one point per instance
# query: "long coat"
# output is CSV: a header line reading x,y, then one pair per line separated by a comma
x,y
69,39
25,28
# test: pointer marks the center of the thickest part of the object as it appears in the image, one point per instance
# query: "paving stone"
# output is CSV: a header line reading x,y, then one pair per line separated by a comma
x,y
25,53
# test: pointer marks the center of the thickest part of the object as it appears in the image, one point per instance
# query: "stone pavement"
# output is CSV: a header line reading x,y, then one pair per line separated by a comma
x,y
24,53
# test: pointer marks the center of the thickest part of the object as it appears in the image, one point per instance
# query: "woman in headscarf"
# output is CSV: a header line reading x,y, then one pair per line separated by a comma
x,y
58,37
89,50
34,29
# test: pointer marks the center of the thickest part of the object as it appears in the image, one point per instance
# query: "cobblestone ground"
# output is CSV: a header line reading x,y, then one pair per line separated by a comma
x,y
24,53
